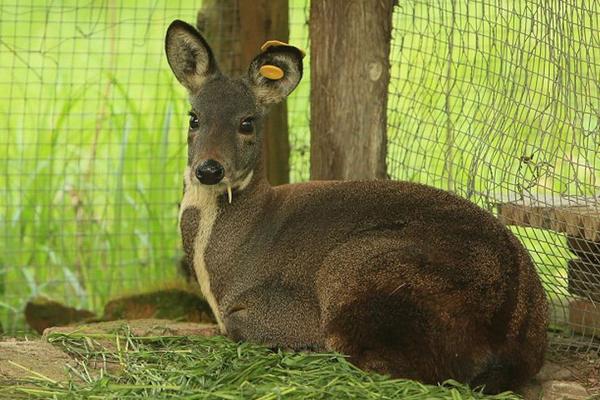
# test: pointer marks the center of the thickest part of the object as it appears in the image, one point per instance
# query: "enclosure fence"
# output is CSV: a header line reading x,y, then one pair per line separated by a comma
x,y
497,101
500,102
92,148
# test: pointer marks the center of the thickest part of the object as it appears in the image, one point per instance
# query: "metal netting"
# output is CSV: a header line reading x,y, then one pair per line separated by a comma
x,y
298,102
92,149
500,102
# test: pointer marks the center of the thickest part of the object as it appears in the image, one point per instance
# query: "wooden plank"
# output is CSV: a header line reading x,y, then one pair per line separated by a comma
x,y
576,216
584,317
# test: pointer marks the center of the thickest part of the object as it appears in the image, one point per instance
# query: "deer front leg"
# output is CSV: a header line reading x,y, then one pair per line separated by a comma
x,y
274,314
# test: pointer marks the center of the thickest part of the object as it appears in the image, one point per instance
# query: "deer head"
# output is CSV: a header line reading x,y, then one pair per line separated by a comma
x,y
224,137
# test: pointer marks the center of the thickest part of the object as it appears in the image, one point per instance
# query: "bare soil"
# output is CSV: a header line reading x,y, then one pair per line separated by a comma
x,y
19,358
142,327
566,377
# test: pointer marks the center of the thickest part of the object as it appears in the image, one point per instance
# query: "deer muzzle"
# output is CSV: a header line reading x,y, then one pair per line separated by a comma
x,y
210,172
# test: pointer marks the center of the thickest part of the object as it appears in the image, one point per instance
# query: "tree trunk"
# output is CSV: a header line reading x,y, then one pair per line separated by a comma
x,y
236,29
350,72
218,20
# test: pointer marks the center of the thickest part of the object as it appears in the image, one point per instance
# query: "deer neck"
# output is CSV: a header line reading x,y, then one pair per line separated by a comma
x,y
211,203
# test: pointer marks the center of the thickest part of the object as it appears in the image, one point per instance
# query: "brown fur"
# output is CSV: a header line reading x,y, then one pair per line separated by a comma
x,y
406,279
190,218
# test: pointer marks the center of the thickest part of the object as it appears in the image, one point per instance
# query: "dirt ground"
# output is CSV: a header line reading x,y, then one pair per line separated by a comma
x,y
575,377
18,358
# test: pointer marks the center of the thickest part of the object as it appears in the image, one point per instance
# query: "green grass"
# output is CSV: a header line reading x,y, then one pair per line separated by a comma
x,y
217,368
93,131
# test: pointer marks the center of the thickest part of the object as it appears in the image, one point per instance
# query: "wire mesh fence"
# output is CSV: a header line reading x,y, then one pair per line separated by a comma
x,y
92,149
500,102
497,102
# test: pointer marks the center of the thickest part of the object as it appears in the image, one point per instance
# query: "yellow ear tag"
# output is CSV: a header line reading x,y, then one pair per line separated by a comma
x,y
271,72
271,43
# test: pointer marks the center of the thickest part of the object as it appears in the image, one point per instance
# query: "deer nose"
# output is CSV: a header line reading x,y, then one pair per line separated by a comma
x,y
210,172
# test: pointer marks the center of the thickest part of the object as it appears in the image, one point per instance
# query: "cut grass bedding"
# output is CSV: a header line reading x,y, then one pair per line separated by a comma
x,y
119,366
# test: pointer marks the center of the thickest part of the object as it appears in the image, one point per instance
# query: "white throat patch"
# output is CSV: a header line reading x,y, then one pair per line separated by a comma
x,y
204,199
246,181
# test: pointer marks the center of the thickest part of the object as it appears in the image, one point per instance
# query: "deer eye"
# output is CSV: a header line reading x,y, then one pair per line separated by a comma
x,y
247,125
194,123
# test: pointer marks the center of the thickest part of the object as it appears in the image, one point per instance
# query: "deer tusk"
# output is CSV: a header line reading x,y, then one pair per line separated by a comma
x,y
229,195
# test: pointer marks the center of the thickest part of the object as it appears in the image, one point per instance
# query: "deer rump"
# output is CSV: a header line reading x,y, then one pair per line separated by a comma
x,y
405,279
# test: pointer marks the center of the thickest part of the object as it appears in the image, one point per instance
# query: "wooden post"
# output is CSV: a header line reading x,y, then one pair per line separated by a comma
x,y
262,20
218,20
235,30
350,72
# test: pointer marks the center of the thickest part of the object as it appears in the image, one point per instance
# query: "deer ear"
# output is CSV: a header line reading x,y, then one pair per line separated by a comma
x,y
275,72
189,56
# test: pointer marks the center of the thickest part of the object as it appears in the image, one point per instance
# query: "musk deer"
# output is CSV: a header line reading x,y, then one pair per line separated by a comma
x,y
404,278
